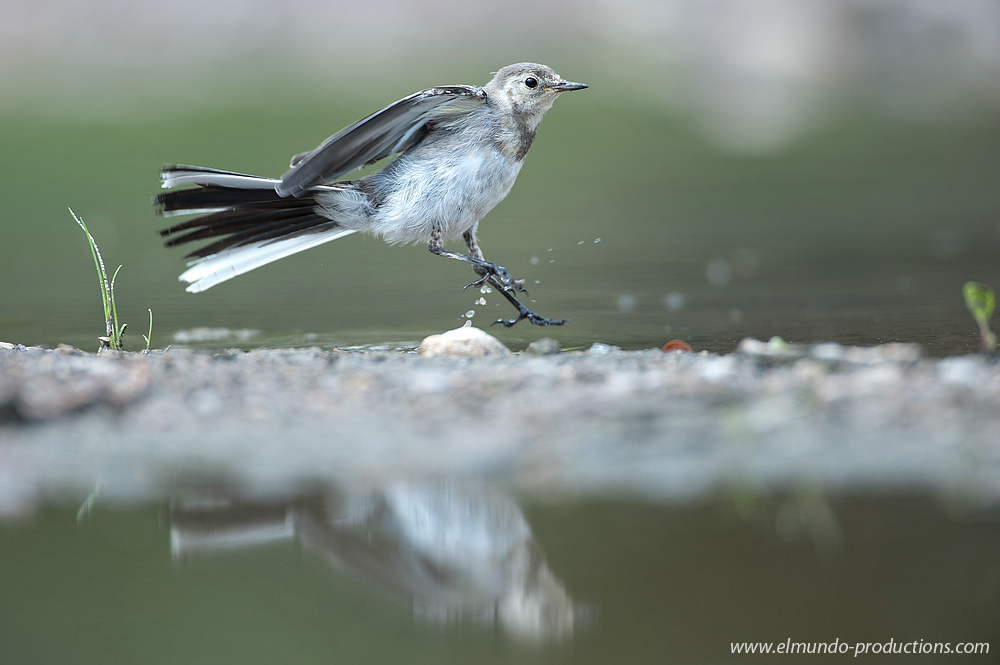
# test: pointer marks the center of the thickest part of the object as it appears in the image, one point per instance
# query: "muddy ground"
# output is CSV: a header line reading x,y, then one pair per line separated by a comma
x,y
602,421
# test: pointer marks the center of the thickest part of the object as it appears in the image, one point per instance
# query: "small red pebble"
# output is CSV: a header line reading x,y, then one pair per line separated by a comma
x,y
676,346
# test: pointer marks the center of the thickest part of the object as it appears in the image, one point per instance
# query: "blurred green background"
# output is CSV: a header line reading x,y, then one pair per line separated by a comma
x,y
819,171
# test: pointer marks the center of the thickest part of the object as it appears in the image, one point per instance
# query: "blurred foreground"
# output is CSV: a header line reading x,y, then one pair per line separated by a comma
x,y
580,507
603,422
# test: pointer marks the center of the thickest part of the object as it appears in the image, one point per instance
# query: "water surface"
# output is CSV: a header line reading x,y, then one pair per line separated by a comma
x,y
651,582
623,220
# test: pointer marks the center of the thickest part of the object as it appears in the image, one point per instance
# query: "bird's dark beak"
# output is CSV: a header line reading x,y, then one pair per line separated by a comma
x,y
566,86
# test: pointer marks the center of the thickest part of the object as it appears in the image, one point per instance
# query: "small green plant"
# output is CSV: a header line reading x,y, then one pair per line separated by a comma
x,y
981,301
149,335
88,506
116,333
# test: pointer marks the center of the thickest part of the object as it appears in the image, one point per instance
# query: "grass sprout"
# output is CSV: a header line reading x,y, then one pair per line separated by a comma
x,y
115,333
981,301
87,507
149,335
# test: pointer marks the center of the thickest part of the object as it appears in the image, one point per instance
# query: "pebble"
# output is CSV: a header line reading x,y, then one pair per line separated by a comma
x,y
545,346
601,349
828,351
467,341
960,370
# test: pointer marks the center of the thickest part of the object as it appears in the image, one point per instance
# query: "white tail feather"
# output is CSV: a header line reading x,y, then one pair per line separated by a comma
x,y
208,179
192,211
192,541
207,272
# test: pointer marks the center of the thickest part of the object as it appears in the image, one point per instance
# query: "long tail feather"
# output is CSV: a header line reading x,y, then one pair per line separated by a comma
x,y
251,225
206,273
172,175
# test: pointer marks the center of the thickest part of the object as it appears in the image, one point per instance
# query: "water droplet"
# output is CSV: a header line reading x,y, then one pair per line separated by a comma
x,y
537,282
581,242
673,301
481,301
552,260
550,249
717,271
597,240
471,313
468,324
626,302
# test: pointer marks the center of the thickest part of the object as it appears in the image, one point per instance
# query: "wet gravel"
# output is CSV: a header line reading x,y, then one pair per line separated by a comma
x,y
602,421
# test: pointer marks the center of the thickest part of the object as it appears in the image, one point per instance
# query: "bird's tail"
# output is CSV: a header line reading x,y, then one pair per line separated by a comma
x,y
249,224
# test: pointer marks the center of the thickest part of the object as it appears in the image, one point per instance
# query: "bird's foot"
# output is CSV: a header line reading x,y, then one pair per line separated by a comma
x,y
522,311
498,276
532,317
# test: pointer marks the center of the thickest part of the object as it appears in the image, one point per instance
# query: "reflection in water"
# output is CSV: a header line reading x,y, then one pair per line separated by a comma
x,y
452,552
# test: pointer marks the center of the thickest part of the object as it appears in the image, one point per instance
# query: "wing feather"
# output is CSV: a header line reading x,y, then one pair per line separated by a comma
x,y
389,131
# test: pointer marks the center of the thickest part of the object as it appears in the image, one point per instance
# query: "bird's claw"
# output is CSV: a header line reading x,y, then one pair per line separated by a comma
x,y
536,319
477,283
500,276
508,286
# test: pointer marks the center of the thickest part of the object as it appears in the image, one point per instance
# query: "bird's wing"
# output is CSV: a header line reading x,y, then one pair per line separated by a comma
x,y
391,130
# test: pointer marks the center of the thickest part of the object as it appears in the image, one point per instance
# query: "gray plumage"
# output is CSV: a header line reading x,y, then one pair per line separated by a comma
x,y
460,149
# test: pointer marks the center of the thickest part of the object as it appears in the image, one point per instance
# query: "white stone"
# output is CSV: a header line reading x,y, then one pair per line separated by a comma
x,y
961,370
463,342
718,369
828,351
601,349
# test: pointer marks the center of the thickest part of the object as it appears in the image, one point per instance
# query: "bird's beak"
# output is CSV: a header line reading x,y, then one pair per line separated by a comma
x,y
566,86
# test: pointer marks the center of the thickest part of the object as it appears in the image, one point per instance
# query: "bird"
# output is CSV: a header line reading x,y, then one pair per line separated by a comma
x,y
458,150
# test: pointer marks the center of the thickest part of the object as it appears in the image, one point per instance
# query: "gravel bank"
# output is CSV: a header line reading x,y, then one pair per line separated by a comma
x,y
603,421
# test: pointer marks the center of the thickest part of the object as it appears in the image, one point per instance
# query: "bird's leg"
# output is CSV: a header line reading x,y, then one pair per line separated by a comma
x,y
476,253
470,242
483,268
495,275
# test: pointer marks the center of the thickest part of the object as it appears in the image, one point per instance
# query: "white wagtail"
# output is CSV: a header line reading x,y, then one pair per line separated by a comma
x,y
460,147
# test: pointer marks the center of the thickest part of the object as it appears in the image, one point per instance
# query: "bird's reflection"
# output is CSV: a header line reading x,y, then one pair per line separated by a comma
x,y
452,552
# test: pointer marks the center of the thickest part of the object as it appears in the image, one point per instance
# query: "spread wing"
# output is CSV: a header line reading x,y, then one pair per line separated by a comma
x,y
391,130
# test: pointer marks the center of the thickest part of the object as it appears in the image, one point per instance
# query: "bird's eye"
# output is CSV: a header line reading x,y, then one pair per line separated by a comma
x,y
531,81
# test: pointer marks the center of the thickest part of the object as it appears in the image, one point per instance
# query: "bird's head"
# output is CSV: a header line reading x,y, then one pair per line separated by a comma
x,y
529,89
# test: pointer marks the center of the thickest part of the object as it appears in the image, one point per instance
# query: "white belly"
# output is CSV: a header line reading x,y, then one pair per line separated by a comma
x,y
450,193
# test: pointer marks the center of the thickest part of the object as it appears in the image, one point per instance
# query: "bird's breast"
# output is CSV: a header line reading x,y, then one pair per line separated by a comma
x,y
450,187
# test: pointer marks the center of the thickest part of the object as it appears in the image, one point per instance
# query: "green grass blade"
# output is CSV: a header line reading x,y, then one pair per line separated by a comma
x,y
981,302
116,338
102,275
87,507
149,336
